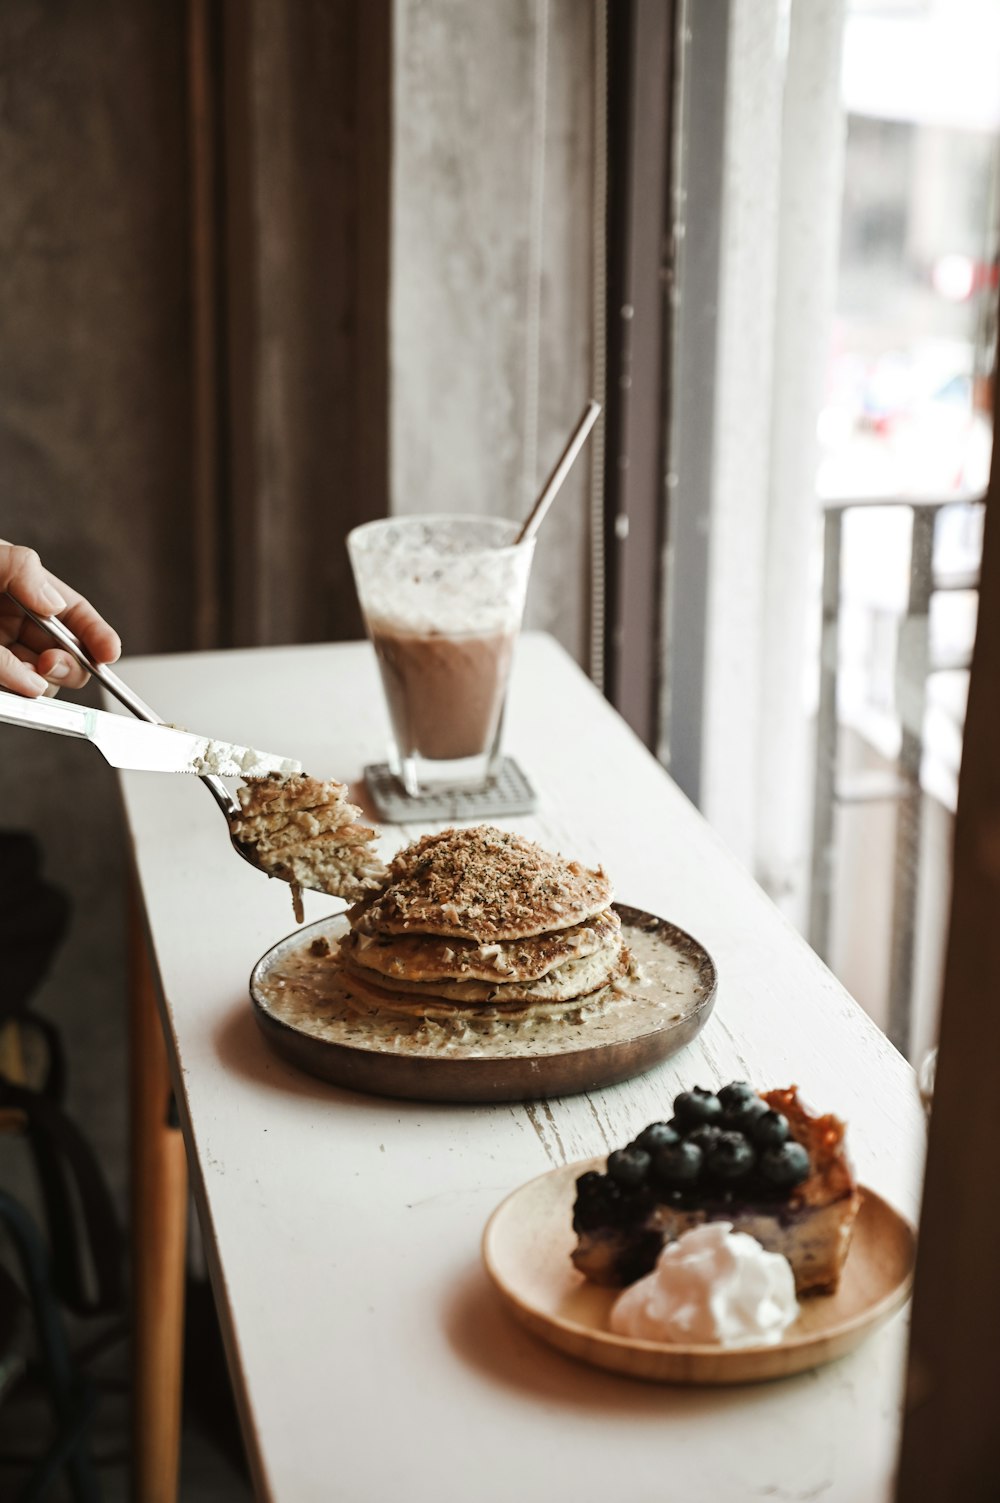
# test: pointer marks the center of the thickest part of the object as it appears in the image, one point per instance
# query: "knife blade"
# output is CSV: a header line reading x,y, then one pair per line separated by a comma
x,y
125,742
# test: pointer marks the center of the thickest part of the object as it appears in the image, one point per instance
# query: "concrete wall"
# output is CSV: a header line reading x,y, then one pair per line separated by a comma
x,y
93,436
490,334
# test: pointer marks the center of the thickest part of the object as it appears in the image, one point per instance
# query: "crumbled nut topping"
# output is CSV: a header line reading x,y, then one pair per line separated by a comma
x,y
483,883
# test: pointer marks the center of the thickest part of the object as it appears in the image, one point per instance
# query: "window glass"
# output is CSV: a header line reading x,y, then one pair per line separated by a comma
x,y
907,409
907,418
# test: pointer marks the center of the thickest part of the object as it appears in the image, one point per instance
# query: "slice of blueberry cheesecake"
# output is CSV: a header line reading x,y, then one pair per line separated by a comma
x,y
761,1161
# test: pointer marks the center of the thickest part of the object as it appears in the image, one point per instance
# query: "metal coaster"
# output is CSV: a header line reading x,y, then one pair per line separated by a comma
x,y
509,792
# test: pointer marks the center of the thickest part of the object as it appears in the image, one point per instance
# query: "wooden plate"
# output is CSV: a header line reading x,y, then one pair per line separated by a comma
x,y
527,1246
300,1008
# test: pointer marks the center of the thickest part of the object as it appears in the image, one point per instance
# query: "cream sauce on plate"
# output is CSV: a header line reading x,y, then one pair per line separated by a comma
x,y
672,978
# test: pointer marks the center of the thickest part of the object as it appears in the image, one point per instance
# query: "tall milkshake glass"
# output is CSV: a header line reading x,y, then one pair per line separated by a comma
x,y
442,598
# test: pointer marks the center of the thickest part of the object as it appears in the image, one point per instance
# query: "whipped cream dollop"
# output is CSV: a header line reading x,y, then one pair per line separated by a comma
x,y
713,1286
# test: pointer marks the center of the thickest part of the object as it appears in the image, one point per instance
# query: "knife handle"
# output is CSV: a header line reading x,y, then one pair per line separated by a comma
x,y
62,634
114,685
46,714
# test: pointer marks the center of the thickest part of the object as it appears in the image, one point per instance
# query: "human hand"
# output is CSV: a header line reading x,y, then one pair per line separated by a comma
x,y
29,663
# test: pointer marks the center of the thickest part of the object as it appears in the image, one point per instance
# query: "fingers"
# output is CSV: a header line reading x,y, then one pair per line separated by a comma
x,y
22,572
18,677
101,641
35,646
60,670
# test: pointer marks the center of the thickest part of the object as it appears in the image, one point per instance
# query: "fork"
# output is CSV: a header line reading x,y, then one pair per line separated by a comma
x,y
67,639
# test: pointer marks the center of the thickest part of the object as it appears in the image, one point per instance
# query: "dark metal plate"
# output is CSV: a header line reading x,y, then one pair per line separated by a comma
x,y
296,1006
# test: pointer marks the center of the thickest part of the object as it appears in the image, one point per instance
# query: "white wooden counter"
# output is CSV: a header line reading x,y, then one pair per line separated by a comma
x,y
370,1358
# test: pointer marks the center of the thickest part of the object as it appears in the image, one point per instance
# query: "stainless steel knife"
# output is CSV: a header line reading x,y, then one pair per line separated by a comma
x,y
125,742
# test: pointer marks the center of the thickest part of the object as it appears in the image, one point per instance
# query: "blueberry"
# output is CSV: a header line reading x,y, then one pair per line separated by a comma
x,y
589,1216
692,1108
742,1118
677,1165
730,1157
656,1135
770,1130
628,1167
784,1167
735,1095
597,1204
705,1136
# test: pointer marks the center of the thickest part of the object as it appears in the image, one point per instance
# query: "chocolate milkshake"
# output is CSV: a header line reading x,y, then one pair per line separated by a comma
x,y
445,693
442,599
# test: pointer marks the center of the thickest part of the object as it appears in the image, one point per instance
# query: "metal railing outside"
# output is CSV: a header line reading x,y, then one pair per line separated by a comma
x,y
903,784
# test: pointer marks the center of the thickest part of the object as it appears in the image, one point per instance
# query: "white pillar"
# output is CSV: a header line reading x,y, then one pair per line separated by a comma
x,y
782,177
812,163
738,505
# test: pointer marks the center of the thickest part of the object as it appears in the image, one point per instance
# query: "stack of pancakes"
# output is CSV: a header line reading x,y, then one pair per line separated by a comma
x,y
305,832
480,922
